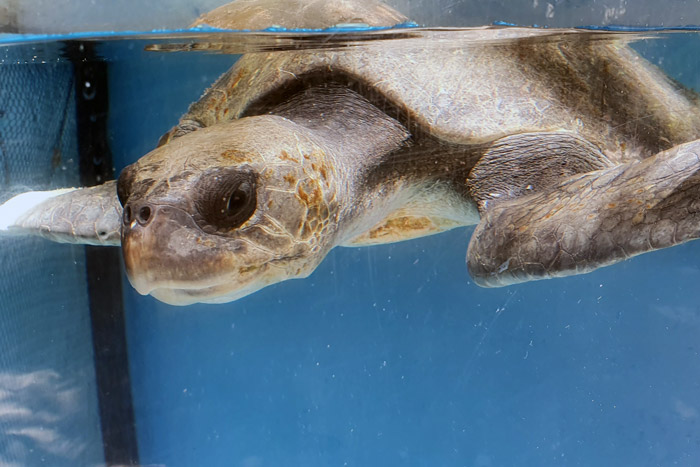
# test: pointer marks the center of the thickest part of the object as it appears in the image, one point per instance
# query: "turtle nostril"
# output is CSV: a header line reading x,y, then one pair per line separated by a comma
x,y
144,215
127,214
141,214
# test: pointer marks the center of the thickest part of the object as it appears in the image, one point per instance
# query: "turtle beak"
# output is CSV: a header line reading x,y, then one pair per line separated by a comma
x,y
162,248
168,256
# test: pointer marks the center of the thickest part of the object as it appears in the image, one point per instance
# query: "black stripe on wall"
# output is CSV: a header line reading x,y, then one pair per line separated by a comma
x,y
103,264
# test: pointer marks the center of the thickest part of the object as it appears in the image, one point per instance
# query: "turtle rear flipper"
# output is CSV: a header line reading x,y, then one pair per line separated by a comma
x,y
89,216
590,220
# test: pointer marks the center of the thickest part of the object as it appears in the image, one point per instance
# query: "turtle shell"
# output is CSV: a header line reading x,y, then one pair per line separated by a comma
x,y
484,85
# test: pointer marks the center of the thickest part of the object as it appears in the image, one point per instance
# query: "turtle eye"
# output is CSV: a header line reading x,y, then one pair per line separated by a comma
x,y
225,199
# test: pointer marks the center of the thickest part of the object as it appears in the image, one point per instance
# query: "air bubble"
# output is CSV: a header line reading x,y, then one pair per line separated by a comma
x,y
88,91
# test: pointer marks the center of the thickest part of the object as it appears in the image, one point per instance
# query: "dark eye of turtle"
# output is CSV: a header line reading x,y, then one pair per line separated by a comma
x,y
225,199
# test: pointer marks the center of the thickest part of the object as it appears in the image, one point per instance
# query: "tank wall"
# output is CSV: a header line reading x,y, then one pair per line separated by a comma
x,y
48,398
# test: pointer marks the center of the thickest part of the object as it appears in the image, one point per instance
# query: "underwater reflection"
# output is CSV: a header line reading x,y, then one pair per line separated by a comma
x,y
39,413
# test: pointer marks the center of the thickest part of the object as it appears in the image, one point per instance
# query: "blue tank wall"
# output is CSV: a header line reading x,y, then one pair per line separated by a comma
x,y
48,399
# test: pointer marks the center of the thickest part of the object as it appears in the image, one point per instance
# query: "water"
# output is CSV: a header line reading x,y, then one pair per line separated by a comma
x,y
385,356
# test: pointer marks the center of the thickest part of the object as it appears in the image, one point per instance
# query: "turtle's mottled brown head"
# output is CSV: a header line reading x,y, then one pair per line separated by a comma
x,y
226,210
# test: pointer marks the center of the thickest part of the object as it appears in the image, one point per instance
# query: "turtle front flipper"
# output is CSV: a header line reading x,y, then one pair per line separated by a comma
x,y
73,215
589,220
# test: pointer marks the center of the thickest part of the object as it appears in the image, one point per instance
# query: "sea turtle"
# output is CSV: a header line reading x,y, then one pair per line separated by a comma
x,y
568,153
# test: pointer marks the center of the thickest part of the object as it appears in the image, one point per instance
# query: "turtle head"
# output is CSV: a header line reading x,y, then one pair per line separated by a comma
x,y
226,210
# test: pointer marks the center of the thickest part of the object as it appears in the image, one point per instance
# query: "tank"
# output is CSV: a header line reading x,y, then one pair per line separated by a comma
x,y
385,355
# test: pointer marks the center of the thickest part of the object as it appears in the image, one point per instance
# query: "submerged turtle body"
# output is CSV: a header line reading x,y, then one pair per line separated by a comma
x,y
568,153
